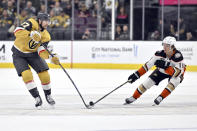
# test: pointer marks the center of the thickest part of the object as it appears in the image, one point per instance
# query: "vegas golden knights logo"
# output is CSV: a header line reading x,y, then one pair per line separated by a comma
x,y
32,44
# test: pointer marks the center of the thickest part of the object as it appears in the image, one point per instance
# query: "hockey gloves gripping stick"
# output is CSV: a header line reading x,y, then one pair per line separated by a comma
x,y
132,78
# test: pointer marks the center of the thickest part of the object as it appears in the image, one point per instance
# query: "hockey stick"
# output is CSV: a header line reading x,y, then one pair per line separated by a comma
x,y
87,106
91,103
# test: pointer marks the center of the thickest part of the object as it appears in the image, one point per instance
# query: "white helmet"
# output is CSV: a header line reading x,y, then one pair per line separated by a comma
x,y
169,40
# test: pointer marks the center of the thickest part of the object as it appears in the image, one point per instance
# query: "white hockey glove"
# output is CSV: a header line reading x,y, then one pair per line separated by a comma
x,y
35,35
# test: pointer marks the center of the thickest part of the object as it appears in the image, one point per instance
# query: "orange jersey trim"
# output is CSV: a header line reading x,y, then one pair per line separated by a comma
x,y
17,31
41,51
29,81
46,83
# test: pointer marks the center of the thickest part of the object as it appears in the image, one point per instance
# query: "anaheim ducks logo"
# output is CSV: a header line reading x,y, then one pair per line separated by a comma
x,y
32,44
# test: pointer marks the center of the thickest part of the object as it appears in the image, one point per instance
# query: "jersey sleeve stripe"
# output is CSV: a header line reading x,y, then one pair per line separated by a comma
x,y
18,29
177,72
41,51
145,67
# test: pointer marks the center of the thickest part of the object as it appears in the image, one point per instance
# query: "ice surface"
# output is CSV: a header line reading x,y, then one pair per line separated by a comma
x,y
178,112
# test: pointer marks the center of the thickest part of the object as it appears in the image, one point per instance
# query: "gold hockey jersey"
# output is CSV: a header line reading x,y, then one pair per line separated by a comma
x,y
24,42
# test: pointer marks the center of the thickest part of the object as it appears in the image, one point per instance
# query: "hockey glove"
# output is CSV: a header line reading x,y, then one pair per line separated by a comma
x,y
43,53
132,78
55,59
35,35
162,64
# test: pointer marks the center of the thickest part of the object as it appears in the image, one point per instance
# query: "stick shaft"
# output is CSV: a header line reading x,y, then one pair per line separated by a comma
x,y
110,92
69,78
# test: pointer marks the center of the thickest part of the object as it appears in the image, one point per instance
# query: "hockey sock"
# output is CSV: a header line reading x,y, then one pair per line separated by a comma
x,y
136,94
34,92
31,86
46,88
47,92
139,91
165,93
170,87
29,82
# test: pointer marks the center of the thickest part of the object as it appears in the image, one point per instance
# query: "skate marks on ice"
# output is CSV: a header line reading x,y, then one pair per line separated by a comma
x,y
113,105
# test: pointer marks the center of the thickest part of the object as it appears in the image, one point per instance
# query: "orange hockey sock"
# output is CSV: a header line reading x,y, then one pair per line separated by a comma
x,y
136,94
165,93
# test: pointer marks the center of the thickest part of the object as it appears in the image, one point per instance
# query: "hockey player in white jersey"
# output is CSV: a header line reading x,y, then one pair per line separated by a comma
x,y
170,65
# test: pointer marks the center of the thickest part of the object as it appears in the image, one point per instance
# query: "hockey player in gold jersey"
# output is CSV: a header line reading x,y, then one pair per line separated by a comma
x,y
28,51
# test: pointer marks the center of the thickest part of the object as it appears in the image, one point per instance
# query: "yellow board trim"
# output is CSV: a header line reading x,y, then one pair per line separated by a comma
x,y
105,66
192,68
6,65
10,65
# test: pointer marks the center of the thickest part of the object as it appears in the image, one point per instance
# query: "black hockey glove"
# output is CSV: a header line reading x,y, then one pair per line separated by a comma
x,y
162,64
132,78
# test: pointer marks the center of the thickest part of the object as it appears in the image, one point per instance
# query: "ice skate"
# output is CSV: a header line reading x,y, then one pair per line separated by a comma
x,y
50,100
158,100
129,100
38,102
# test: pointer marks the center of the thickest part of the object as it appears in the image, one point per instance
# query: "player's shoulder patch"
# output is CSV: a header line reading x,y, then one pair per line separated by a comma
x,y
177,56
160,53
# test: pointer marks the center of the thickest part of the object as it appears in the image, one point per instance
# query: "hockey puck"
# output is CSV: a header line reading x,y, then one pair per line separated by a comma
x,y
91,103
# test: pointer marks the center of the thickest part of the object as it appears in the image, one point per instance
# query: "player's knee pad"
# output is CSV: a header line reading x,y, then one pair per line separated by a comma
x,y
170,87
175,81
44,77
141,89
27,76
148,83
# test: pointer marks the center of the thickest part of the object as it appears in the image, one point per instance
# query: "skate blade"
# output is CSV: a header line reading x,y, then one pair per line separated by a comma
x,y
39,107
154,104
125,104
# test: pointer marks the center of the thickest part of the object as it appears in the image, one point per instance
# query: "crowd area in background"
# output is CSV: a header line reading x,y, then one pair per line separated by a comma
x,y
184,33
86,22
60,13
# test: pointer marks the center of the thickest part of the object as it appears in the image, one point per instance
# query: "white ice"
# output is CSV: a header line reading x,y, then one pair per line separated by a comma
x,y
178,112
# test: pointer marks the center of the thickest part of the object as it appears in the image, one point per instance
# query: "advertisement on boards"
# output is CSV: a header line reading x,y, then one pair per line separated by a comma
x,y
5,51
189,51
103,52
120,52
63,49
